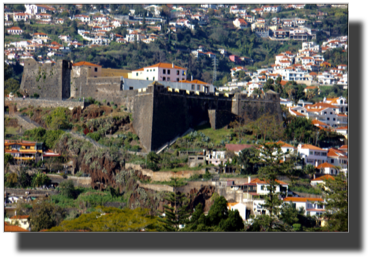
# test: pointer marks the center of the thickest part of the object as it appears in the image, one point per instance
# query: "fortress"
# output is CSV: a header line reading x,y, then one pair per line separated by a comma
x,y
162,111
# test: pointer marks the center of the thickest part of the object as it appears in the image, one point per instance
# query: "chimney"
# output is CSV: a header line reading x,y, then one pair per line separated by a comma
x,y
191,77
249,179
172,65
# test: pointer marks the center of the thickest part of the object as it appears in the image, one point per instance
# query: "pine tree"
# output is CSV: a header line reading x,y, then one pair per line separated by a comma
x,y
336,204
271,158
176,212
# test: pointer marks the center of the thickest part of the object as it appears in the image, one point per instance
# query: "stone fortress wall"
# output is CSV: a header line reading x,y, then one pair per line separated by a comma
x,y
160,113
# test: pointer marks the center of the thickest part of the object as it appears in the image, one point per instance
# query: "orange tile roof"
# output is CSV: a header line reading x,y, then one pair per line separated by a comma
x,y
344,147
316,122
237,147
20,217
335,153
84,63
193,82
325,165
324,177
306,146
13,228
283,144
165,65
302,199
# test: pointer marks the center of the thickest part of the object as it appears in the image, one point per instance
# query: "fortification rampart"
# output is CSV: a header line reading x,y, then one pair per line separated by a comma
x,y
161,114
51,81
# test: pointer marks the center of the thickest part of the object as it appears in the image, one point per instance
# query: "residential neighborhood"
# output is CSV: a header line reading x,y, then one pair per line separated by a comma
x,y
176,118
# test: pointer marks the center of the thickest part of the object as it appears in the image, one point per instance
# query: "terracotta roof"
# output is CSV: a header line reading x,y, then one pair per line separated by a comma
x,y
20,217
344,147
193,82
306,146
316,122
84,63
237,147
325,165
302,199
324,178
165,65
336,153
14,28
13,228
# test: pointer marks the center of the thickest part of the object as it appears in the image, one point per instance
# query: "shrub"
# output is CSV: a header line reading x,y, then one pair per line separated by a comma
x,y
94,136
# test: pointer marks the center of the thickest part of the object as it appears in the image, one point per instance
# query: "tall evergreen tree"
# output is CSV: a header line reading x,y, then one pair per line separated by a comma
x,y
336,204
176,212
271,158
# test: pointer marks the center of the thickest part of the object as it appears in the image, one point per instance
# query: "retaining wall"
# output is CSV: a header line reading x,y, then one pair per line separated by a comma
x,y
44,103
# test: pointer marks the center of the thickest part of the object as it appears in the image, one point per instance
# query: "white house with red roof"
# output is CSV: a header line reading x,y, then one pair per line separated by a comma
x,y
327,168
240,23
14,31
82,18
21,16
312,206
321,180
312,155
340,102
337,158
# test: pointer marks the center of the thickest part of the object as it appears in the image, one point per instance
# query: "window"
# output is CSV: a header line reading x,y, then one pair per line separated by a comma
x,y
341,101
153,78
323,153
311,153
168,71
147,78
177,79
317,153
130,88
333,119
96,69
154,69
328,119
192,86
332,161
325,112
198,87
137,74
168,79
177,72
164,71
262,188
330,112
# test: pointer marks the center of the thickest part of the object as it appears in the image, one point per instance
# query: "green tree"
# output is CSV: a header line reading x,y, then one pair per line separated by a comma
x,y
176,212
289,213
11,180
23,178
271,158
40,179
244,160
110,219
336,204
45,215
66,188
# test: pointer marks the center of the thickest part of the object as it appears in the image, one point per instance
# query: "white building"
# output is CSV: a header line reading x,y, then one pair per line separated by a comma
x,y
311,206
311,154
82,18
241,208
160,72
216,157
240,23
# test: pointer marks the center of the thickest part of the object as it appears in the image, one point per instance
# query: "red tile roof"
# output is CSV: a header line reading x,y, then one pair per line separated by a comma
x,y
306,146
13,228
302,199
324,178
84,63
326,165
20,217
